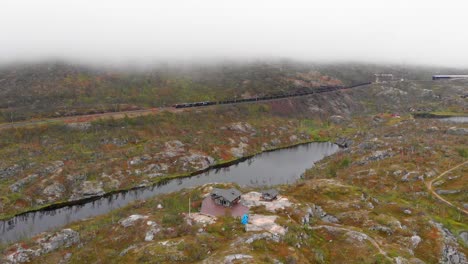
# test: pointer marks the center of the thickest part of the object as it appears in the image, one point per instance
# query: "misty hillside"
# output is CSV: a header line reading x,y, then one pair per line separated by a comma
x,y
62,89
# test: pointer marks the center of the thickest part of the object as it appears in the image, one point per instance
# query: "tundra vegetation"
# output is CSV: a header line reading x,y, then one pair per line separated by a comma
x,y
369,203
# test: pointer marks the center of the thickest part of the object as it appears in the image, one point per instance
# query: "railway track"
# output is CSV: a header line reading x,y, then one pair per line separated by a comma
x,y
175,108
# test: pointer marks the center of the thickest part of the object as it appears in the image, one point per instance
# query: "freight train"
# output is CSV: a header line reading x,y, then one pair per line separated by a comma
x,y
321,89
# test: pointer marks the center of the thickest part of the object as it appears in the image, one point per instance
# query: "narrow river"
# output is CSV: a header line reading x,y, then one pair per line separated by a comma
x,y
282,166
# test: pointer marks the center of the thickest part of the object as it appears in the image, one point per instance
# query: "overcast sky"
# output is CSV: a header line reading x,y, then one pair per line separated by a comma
x,y
398,31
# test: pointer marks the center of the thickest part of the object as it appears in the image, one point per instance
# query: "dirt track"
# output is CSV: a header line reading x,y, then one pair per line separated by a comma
x,y
429,187
86,118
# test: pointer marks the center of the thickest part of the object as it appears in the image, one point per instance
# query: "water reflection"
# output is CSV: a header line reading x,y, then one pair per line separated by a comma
x,y
271,168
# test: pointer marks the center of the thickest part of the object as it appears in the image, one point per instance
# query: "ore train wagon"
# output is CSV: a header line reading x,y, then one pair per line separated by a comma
x,y
321,89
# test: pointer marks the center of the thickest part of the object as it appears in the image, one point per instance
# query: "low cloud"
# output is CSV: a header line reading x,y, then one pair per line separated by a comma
x,y
421,32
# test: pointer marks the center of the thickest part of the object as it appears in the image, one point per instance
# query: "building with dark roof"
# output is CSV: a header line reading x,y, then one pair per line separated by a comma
x,y
269,195
225,197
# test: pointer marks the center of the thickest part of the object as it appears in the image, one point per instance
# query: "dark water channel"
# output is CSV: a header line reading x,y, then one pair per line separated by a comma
x,y
270,168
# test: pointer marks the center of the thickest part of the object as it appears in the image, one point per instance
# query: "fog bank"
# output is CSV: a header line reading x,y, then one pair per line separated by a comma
x,y
403,32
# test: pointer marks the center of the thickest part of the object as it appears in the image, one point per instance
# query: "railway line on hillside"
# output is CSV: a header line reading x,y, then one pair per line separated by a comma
x,y
175,108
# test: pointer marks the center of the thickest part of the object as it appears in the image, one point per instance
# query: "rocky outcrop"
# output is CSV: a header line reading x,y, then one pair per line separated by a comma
x,y
264,223
196,161
129,221
16,187
46,244
450,253
10,171
55,189
231,258
64,238
316,211
242,127
344,142
253,199
337,119
376,156
88,189
154,229
240,150
53,168
464,237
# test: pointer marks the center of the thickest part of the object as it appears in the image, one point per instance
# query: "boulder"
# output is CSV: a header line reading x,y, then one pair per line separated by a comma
x,y
344,142
415,240
239,151
21,255
65,238
448,191
316,211
88,189
275,142
55,189
231,258
337,119
241,127
464,237
196,161
129,221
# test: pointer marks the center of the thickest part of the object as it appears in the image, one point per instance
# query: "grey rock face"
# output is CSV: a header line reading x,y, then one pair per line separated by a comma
x,y
264,235
384,229
229,259
344,142
196,161
316,211
10,171
46,244
54,167
275,142
450,252
337,119
240,151
379,155
64,238
55,189
129,221
242,127
15,187
87,189
464,237
448,191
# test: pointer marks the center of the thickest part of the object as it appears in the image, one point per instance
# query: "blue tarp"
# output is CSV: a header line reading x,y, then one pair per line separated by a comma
x,y
245,219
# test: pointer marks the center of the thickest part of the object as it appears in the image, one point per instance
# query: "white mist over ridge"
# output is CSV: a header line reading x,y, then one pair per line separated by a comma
x,y
421,32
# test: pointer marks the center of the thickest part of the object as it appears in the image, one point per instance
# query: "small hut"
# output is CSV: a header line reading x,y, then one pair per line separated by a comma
x,y
226,197
269,195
